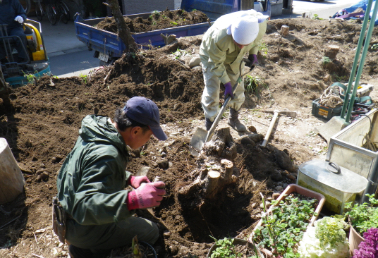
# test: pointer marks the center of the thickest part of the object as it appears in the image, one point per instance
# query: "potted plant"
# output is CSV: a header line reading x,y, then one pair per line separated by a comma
x,y
233,248
326,239
362,217
369,246
283,225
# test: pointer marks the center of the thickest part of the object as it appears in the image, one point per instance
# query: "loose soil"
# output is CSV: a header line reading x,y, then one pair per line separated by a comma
x,y
41,126
156,21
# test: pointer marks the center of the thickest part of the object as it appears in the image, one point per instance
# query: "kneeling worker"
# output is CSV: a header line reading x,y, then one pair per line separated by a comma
x,y
222,50
91,182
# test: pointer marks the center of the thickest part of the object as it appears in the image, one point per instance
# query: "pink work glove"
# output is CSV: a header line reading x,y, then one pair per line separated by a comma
x,y
228,90
135,181
148,195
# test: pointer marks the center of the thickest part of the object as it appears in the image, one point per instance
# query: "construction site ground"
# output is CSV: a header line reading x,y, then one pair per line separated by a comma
x,y
41,126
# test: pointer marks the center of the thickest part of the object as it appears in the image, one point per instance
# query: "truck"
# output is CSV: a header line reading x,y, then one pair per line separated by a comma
x,y
108,47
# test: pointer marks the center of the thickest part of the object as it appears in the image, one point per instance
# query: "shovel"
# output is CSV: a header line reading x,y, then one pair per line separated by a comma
x,y
201,136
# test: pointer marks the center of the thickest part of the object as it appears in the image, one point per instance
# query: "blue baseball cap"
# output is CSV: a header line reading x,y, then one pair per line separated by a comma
x,y
145,111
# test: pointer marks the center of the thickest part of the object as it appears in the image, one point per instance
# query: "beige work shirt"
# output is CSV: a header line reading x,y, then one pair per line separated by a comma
x,y
218,50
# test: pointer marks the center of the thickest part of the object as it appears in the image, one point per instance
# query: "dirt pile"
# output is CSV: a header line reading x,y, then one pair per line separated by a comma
x,y
42,121
156,21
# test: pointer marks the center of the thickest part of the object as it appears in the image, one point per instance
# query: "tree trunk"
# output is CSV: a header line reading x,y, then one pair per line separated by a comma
x,y
4,94
123,30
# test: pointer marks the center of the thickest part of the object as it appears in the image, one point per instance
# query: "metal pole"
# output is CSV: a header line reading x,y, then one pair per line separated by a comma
x,y
371,187
356,57
362,61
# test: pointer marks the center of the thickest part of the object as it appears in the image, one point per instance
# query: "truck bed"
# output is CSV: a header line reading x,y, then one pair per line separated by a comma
x,y
109,46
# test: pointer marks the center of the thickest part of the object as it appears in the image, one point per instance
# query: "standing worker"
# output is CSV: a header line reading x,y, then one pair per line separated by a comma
x,y
13,15
222,50
91,182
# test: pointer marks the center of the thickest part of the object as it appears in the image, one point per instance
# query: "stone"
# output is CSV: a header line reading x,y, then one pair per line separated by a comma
x,y
164,164
276,176
194,61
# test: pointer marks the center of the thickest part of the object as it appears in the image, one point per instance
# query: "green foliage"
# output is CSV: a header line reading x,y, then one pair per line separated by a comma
x,y
363,216
155,14
330,231
316,17
179,52
225,248
374,47
340,78
254,84
30,77
263,49
284,227
84,78
174,23
326,60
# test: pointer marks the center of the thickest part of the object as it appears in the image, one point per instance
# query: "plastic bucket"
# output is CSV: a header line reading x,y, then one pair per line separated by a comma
x,y
12,180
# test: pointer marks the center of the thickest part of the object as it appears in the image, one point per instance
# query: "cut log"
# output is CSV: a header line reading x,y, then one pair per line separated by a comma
x,y
229,169
212,187
284,30
332,51
12,180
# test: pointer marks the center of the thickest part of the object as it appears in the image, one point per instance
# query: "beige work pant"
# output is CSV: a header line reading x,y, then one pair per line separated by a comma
x,y
210,95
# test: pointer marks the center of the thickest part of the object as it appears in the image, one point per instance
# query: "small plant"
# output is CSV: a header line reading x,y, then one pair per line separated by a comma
x,y
283,228
84,78
326,60
326,239
179,53
225,248
341,78
155,14
363,216
174,23
316,17
30,77
254,85
263,49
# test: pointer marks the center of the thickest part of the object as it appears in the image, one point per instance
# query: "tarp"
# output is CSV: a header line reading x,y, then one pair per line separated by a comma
x,y
354,11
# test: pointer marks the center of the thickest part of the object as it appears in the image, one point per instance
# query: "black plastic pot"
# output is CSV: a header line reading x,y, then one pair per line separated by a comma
x,y
151,250
238,241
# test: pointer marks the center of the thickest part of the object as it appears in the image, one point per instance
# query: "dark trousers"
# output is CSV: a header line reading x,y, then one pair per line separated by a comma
x,y
18,31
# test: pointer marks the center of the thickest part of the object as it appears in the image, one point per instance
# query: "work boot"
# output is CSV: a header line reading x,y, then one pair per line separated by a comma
x,y
234,122
77,252
208,124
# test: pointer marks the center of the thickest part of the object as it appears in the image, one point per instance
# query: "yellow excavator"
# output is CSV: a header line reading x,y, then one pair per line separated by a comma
x,y
37,63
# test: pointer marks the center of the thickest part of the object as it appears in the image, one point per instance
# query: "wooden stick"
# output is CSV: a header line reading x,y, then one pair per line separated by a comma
x,y
229,165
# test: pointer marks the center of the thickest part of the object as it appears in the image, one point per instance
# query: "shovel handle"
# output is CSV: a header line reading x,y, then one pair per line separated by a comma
x,y
270,129
221,111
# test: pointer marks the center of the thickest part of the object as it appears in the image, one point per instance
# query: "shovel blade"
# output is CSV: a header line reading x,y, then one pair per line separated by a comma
x,y
197,141
332,127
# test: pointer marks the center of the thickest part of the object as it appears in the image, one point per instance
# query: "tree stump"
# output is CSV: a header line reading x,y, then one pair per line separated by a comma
x,y
332,51
284,30
12,180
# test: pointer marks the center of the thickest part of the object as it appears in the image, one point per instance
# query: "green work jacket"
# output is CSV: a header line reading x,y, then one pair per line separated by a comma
x,y
218,50
91,182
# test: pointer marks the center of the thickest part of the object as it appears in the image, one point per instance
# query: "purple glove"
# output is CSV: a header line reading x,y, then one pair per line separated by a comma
x,y
148,195
135,181
228,90
252,60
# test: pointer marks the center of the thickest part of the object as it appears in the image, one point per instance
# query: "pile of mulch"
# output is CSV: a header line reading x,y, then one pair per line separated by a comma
x,y
156,21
